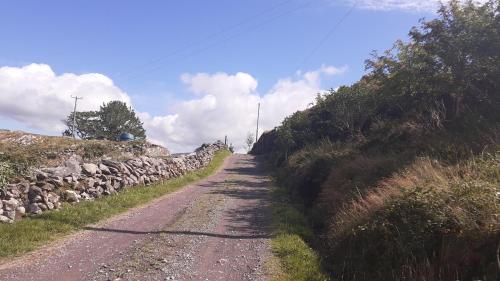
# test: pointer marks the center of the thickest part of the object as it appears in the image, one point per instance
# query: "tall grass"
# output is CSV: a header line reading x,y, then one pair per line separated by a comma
x,y
26,235
297,261
429,221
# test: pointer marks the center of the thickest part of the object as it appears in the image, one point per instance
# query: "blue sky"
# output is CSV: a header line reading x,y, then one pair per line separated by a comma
x,y
145,47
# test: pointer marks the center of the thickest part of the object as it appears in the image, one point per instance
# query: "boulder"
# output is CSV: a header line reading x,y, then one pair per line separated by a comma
x,y
50,205
72,166
86,196
57,181
43,207
52,198
111,164
124,169
104,169
114,171
10,214
5,219
71,196
47,187
23,187
35,194
90,182
34,208
89,169
10,205
20,211
41,176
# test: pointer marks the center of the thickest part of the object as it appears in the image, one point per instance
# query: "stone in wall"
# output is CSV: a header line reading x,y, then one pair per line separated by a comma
x,y
75,181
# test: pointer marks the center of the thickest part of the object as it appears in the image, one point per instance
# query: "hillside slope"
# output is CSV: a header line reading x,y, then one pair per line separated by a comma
x,y
399,173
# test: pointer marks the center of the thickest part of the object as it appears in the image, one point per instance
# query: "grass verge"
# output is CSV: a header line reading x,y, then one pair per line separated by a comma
x,y
28,234
295,259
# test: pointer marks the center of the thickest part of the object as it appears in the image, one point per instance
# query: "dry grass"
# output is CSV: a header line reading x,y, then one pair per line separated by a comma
x,y
21,152
442,222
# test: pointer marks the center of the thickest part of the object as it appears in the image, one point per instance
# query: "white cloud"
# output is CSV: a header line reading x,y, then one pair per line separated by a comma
x,y
203,83
407,5
225,104
36,96
228,106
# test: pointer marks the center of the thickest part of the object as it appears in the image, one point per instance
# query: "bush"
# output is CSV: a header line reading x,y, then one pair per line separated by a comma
x,y
306,170
6,172
441,220
398,185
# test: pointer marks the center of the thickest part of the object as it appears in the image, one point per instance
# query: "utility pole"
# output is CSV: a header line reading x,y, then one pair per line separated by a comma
x,y
74,114
258,116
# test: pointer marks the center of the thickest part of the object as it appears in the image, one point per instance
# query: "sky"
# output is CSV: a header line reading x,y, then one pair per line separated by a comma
x,y
193,71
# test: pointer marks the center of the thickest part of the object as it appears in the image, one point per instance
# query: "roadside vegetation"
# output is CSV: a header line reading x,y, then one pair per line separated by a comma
x,y
26,235
399,173
295,259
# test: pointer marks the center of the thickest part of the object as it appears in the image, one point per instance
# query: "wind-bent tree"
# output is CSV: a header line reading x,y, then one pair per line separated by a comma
x,y
112,119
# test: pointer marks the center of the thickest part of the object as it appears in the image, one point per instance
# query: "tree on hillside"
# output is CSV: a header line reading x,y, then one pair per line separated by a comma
x,y
112,119
86,123
117,118
250,140
447,74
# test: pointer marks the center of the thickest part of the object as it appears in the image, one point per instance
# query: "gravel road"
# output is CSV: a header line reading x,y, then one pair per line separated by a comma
x,y
216,229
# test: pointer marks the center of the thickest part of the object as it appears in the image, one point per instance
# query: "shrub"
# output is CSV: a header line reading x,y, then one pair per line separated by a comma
x,y
396,185
306,170
429,218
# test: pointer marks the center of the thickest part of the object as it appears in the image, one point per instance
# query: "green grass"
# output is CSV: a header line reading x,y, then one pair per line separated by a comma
x,y
28,234
297,261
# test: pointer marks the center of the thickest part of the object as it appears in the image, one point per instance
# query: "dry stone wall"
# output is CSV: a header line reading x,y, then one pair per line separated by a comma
x,y
75,181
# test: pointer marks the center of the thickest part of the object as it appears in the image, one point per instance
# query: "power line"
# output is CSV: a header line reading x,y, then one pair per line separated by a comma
x,y
228,38
211,36
328,35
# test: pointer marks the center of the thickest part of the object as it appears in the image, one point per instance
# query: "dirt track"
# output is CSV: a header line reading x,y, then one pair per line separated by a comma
x,y
216,229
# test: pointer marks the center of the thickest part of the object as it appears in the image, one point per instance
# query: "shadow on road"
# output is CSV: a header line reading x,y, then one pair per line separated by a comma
x,y
251,189
250,220
179,232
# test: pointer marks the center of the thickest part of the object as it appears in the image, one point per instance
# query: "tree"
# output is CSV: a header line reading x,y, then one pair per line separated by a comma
x,y
250,140
87,125
117,118
112,120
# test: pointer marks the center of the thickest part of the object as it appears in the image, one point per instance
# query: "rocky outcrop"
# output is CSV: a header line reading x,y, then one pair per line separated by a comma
x,y
75,181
